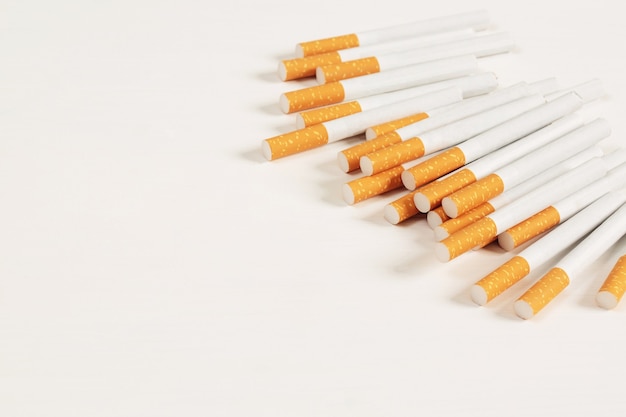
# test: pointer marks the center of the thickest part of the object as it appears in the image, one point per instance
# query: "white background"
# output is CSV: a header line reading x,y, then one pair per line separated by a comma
x,y
153,263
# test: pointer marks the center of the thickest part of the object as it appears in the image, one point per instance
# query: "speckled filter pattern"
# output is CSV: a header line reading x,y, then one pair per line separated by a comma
x,y
437,190
316,96
453,225
397,154
437,166
473,195
383,128
354,153
305,67
615,282
324,114
476,234
350,69
405,206
533,226
297,141
504,277
546,289
367,187
334,43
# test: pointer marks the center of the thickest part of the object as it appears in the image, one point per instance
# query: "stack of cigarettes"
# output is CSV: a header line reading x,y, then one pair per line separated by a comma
x,y
514,165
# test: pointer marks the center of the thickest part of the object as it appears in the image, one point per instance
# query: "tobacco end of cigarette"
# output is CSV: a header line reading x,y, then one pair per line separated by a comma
x,y
540,294
606,299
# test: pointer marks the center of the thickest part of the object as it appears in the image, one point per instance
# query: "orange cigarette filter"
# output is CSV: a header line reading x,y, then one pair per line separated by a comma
x,y
387,127
432,194
614,286
333,43
295,142
392,156
529,228
292,69
366,187
436,216
401,209
347,69
499,280
474,235
324,114
541,293
473,195
450,226
312,97
433,168
348,159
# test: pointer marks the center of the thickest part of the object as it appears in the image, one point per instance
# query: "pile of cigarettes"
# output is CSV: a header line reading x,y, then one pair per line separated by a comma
x,y
485,163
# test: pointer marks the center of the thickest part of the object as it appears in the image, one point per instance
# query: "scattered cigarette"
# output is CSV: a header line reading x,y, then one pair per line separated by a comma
x,y
570,265
476,20
614,286
383,82
545,248
338,129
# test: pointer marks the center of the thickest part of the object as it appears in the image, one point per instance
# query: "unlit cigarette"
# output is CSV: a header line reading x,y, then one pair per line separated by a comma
x,y
445,136
450,226
493,138
614,286
335,130
383,82
432,195
505,103
583,254
545,248
476,20
471,85
479,46
552,151
562,210
488,228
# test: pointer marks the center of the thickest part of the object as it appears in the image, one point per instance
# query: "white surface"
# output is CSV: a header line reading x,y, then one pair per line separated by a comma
x,y
155,264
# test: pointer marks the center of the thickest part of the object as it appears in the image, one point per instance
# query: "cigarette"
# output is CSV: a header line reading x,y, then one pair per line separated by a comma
x,y
589,91
367,187
614,286
450,225
545,248
479,46
435,217
570,265
562,210
536,200
335,130
476,20
400,209
349,159
433,195
383,82
548,150
471,85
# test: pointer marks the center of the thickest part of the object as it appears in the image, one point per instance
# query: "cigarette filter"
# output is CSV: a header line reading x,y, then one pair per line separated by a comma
x,y
614,286
449,225
570,265
545,248
367,85
476,20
